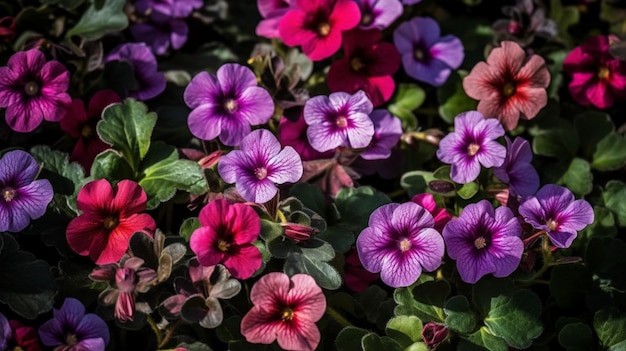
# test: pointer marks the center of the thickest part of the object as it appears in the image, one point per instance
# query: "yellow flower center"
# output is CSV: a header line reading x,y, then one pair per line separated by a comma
x,y
86,131
552,224
31,88
8,194
230,105
223,245
260,173
287,314
480,243
473,149
509,89
341,121
110,223
71,339
405,245
323,29
356,64
367,19
604,73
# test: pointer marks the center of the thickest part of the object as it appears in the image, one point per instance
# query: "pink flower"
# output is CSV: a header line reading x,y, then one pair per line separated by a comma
x,y
598,77
272,12
509,85
440,214
226,237
285,310
316,25
294,134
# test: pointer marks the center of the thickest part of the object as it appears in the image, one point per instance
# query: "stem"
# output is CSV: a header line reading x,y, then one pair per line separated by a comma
x,y
156,330
533,237
547,258
337,317
170,333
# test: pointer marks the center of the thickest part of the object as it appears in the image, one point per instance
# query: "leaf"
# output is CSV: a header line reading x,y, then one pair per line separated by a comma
x,y
578,177
349,339
408,98
613,196
110,165
311,196
592,126
468,190
452,97
373,342
576,337
610,326
97,22
610,153
564,17
325,275
406,330
416,182
555,137
570,284
356,204
424,300
483,340
459,316
188,227
486,290
270,230
515,318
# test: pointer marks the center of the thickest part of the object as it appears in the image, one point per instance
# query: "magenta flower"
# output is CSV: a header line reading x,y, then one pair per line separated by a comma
x,y
161,33
272,12
285,310
400,242
355,276
294,134
379,14
517,171
471,145
441,216
149,82
32,90
227,104
426,56
554,210
16,336
259,165
170,8
339,119
387,132
22,198
484,241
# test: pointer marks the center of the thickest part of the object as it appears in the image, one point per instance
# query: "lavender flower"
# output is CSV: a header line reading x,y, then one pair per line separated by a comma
x,y
517,171
161,33
554,210
472,144
387,132
5,332
72,329
259,166
426,56
22,198
227,104
400,242
339,119
149,82
484,241
379,14
170,8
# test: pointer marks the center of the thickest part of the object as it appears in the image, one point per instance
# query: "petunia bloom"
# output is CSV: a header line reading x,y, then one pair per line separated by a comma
x,y
110,216
226,237
285,310
509,85
259,165
379,14
161,33
426,56
441,216
22,198
598,78
400,242
272,12
554,209
73,329
317,25
471,145
517,171
294,134
483,240
170,8
32,90
227,104
16,336
387,132
339,119
526,20
148,81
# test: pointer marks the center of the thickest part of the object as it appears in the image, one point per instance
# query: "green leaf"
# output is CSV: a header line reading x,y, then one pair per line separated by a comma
x,y
610,326
483,340
109,164
487,289
555,137
425,300
349,339
452,97
311,196
270,230
603,225
325,275
613,195
610,153
570,284
576,337
592,126
459,316
416,182
578,177
468,190
406,330
515,318
356,204
373,342
564,17
409,97
97,22
187,228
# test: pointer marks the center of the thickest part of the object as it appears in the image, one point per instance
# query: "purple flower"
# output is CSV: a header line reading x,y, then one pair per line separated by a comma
x,y
554,210
379,14
426,56
227,104
517,171
22,198
387,132
259,166
170,8
400,242
410,2
472,144
6,333
72,329
272,12
149,82
32,90
339,119
484,241
161,32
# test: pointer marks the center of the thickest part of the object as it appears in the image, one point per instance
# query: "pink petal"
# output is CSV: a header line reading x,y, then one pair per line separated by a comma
x,y
579,85
81,231
129,198
346,15
310,300
268,288
479,84
243,264
298,335
598,95
320,48
292,28
100,100
535,73
94,197
203,243
74,118
244,223
508,58
530,101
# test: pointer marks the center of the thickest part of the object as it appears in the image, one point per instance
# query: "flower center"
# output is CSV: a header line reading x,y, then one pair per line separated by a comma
x,y
604,73
230,105
552,224
223,245
31,88
509,89
480,243
472,149
323,29
8,194
260,173
356,64
514,28
405,245
71,339
86,131
341,121
110,223
287,314
367,19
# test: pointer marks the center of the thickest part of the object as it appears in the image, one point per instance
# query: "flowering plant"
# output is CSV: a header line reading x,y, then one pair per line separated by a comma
x,y
351,175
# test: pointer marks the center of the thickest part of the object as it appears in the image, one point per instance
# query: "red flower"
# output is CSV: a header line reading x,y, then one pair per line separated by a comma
x,y
316,25
226,237
510,85
23,337
368,65
81,124
285,310
110,217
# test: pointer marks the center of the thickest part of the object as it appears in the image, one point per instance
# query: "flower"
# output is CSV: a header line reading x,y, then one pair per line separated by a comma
x,y
22,198
426,56
484,241
367,65
170,8
161,33
72,329
110,216
440,214
285,310
148,81
355,276
32,90
317,25
471,145
509,85
227,104
379,14
387,132
517,171
272,12
598,78
7,29
226,237
16,336
526,20
339,119
259,165
434,334
81,124
554,210
400,242
294,134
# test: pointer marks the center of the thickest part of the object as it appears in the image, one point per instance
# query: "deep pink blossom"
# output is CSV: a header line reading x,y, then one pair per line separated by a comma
x,y
272,12
294,134
441,216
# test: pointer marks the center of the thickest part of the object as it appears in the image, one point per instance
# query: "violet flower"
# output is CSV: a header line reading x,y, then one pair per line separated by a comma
x,y
387,132
517,171
72,329
484,241
426,56
471,145
226,104
400,242
554,209
161,33
339,119
259,165
22,198
170,8
149,82
6,333
379,14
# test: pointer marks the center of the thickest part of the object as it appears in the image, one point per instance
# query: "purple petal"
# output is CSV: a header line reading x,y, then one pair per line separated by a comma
x,y
204,88
410,218
204,122
93,327
401,269
373,247
96,344
489,128
157,38
561,239
179,31
260,146
473,265
576,216
70,314
449,147
358,102
317,110
235,78
286,167
255,105
233,131
506,243
18,168
361,130
52,333
387,11
449,50
24,116
381,218
465,170
429,249
255,190
387,133
491,154
232,165
325,136
533,213
465,122
434,73
34,198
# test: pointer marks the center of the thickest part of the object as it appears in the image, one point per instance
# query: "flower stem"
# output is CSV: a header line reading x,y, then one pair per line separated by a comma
x,y
337,317
170,333
156,330
531,238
